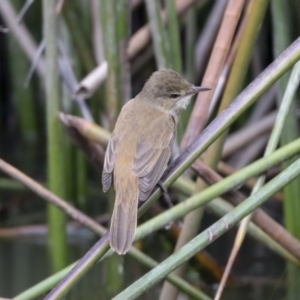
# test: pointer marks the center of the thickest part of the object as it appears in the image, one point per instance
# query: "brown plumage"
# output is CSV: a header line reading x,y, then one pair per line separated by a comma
x,y
140,148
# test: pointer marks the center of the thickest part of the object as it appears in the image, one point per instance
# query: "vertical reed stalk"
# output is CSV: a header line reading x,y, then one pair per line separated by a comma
x,y
174,36
78,36
158,34
123,33
111,48
67,106
190,40
56,219
190,35
282,32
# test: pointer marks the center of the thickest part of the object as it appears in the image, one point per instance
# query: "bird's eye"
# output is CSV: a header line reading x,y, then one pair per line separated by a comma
x,y
174,96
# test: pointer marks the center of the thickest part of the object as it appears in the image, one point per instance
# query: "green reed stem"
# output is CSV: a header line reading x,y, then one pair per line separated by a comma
x,y
173,31
158,34
282,35
56,180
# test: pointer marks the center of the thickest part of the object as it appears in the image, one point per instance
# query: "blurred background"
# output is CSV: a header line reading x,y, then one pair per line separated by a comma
x,y
105,51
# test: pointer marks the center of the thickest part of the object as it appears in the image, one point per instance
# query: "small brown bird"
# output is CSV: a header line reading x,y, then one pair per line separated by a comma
x,y
140,148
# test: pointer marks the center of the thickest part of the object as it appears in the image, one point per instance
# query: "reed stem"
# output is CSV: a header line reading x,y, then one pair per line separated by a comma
x,y
56,180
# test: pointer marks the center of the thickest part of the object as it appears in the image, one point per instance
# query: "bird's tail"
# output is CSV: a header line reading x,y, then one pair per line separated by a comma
x,y
124,218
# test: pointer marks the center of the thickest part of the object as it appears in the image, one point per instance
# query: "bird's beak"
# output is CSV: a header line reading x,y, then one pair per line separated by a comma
x,y
198,89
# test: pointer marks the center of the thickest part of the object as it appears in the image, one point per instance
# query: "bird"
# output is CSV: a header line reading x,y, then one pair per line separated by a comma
x,y
139,149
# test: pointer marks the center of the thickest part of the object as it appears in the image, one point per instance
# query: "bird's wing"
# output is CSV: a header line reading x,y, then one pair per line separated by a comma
x,y
152,154
109,163
118,134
